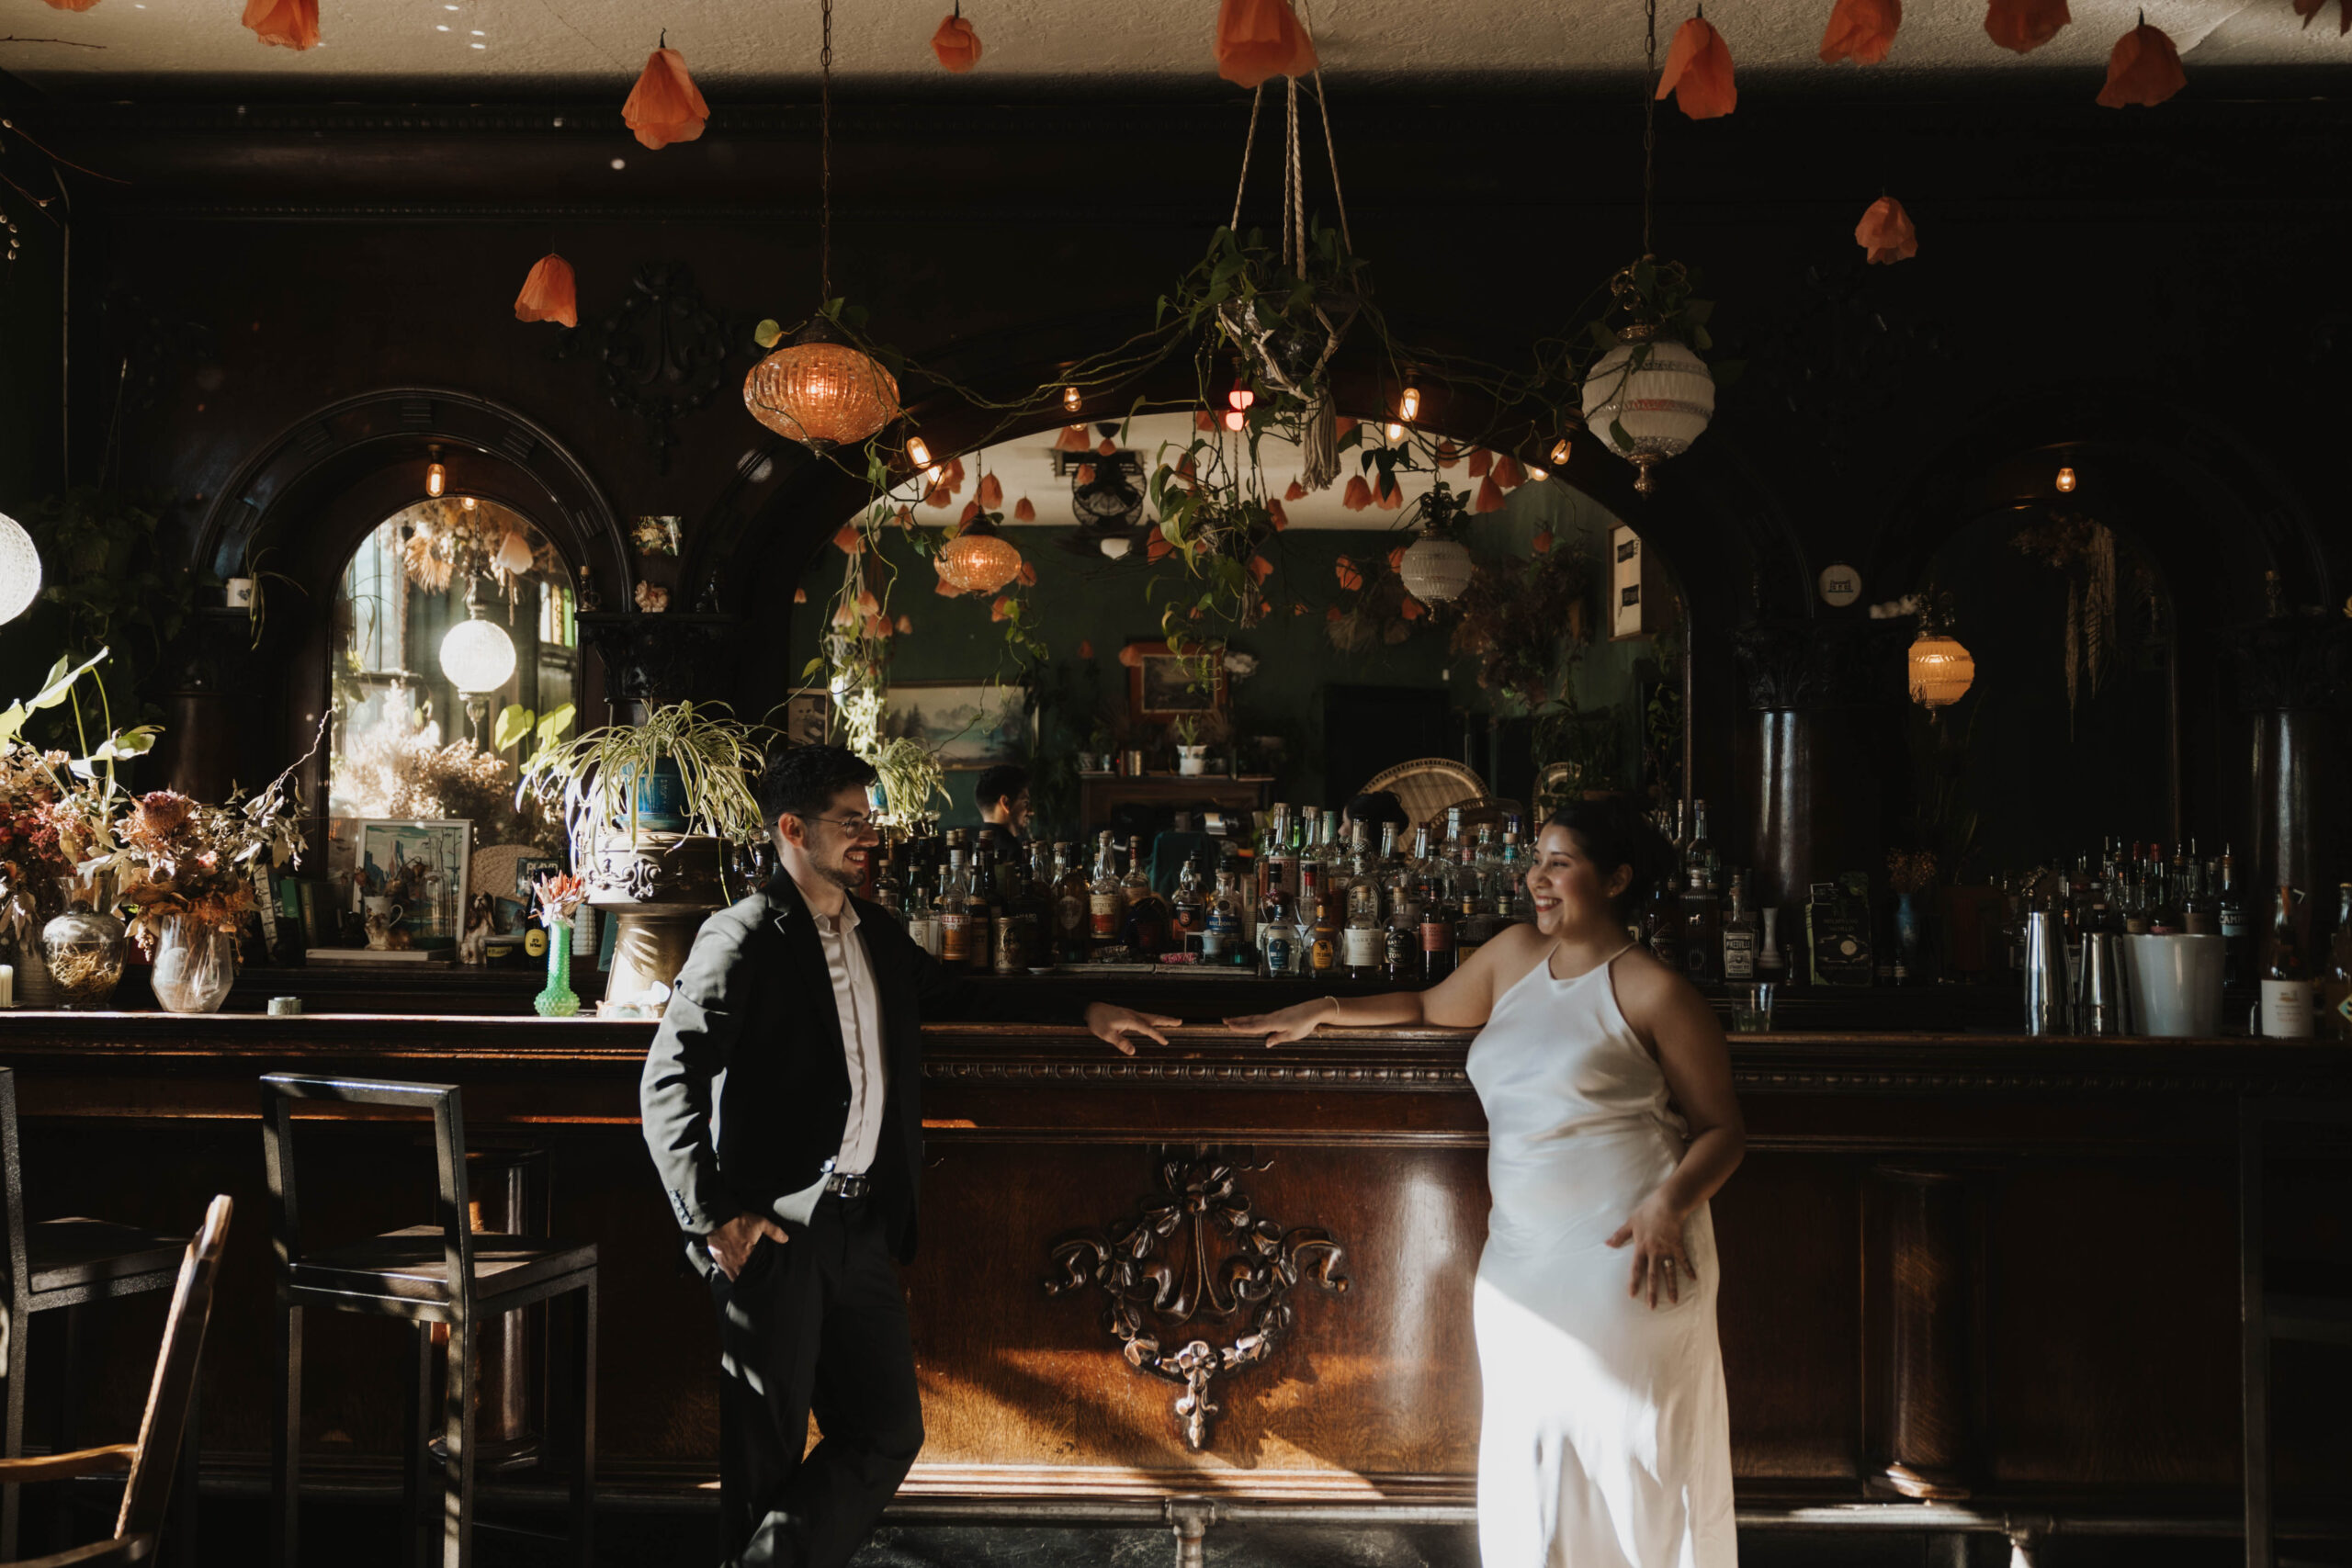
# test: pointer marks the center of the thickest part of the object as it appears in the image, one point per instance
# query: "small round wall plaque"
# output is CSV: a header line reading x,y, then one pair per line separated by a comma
x,y
1840,585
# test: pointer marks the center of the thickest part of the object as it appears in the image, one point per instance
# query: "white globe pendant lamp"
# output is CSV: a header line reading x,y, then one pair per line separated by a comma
x,y
20,569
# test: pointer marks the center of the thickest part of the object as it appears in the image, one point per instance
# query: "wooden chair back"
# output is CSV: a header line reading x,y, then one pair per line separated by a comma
x,y
1478,811
278,1093
1426,786
164,1426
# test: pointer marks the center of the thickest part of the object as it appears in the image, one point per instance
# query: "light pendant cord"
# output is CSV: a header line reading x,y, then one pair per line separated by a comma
x,y
825,158
1649,118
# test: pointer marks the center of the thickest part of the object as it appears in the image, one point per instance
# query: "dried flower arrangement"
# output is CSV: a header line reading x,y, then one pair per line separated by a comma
x,y
32,858
55,810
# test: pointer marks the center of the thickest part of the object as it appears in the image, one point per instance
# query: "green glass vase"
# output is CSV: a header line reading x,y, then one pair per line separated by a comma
x,y
559,1000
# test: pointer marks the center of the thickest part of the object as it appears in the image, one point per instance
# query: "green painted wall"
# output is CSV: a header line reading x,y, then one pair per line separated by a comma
x,y
1084,599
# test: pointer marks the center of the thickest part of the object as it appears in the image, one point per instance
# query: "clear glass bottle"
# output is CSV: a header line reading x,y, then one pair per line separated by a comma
x,y
1136,883
2286,982
955,911
1277,938
1437,931
1192,907
1106,898
1071,928
1323,960
1362,941
2237,930
1739,935
1221,940
1699,865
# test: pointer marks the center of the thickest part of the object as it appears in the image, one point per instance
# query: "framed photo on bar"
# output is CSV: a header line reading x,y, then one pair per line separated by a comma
x,y
970,725
422,867
1162,685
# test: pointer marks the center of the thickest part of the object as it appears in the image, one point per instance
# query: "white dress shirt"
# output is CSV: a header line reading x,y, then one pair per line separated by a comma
x,y
860,1012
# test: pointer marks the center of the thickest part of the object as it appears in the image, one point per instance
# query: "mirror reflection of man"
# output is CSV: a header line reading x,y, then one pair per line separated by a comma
x,y
1003,795
780,1101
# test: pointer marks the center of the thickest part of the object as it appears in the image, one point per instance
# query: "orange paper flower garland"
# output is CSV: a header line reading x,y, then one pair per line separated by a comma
x,y
1259,38
665,105
2306,9
958,46
2025,25
291,24
1698,72
71,5
1886,234
549,294
2144,69
1861,31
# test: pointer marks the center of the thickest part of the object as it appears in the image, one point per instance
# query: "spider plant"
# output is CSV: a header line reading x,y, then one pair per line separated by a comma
x,y
592,778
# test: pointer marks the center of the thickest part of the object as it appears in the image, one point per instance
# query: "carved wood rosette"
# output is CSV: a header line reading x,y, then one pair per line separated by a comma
x,y
1195,1256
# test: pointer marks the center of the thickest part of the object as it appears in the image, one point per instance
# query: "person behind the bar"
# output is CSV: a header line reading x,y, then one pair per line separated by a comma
x,y
1375,810
1610,1122
1003,795
780,1102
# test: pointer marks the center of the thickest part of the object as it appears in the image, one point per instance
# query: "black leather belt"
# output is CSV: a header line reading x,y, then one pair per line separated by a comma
x,y
848,1185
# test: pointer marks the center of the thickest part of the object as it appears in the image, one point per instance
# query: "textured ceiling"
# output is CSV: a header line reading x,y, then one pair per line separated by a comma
x,y
490,48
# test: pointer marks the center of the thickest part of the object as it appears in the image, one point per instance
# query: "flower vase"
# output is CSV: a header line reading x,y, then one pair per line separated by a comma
x,y
559,1000
194,965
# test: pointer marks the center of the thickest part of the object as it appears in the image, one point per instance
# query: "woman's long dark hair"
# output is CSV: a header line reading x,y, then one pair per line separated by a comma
x,y
1611,833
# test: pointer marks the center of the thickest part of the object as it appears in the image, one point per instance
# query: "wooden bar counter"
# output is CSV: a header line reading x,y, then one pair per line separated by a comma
x,y
1970,1281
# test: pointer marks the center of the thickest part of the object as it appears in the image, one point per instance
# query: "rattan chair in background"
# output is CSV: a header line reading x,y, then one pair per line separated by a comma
x,y
1427,785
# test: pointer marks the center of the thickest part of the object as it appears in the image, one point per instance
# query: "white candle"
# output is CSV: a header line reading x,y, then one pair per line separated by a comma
x,y
8,985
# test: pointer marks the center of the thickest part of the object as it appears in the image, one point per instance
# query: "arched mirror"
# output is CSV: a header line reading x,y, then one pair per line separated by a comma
x,y
454,640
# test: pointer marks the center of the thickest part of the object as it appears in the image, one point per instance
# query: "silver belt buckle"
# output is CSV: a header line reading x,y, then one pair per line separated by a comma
x,y
846,1186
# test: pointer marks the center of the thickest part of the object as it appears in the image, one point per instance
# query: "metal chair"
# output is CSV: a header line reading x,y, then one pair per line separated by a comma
x,y
1426,786
442,1273
164,1430
2314,1307
62,1266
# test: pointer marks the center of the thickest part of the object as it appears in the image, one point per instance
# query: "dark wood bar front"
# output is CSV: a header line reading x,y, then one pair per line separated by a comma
x,y
1970,1281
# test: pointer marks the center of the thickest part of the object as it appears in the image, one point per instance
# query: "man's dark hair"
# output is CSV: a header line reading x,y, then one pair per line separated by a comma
x,y
1000,783
1377,808
802,780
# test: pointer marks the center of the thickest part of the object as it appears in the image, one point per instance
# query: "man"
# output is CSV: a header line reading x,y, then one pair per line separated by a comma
x,y
781,1104
1003,795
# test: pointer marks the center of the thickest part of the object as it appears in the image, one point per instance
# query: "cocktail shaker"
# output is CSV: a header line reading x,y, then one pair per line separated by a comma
x,y
2046,1002
2099,1006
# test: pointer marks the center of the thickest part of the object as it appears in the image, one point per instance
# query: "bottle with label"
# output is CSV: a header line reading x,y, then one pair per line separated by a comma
x,y
922,920
1277,941
2237,931
890,887
1221,940
1699,863
1662,923
1192,909
1513,900
1323,951
1363,941
954,911
1438,943
1278,867
1739,935
1136,883
1106,900
2286,982
979,904
1702,934
2335,988
1071,920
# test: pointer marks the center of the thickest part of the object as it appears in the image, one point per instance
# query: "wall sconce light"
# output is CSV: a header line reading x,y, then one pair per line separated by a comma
x,y
2065,481
436,479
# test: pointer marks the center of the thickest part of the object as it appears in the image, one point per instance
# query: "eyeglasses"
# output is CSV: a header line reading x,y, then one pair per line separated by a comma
x,y
855,827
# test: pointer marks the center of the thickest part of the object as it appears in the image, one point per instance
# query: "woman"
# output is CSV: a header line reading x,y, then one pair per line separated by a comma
x,y
1605,1441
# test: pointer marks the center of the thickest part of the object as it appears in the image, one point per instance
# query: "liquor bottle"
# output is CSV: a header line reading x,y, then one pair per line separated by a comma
x,y
1136,883
2286,983
1106,900
1475,923
2335,989
955,910
1071,920
1771,963
1278,867
1192,908
1662,923
1384,869
1323,951
890,885
1327,854
1400,941
980,907
1513,900
1699,865
1404,896
1221,942
1703,928
1739,935
1364,942
923,921
2237,962
1277,941
1438,946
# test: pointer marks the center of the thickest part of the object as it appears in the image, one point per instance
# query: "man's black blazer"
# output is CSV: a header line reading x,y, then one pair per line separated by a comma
x,y
745,1094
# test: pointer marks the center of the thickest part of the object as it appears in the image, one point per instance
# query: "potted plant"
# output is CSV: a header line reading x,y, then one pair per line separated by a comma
x,y
655,811
1191,753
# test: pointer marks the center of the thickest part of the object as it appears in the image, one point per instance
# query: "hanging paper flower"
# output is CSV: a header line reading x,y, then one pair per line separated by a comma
x,y
969,516
1132,656
905,517
1358,495
291,24
1000,609
1158,550
1258,38
906,625
938,496
1349,577
877,627
866,602
1448,453
800,595
1508,474
2025,25
958,46
1027,574
953,475
2144,69
1396,559
2306,9
1330,612
1542,541
1203,420
1085,473
1277,516
945,589
848,540
1296,492
1073,438
1085,649
1297,609
1698,72
549,294
991,493
1022,512
665,105
845,614
1260,569
1860,31
1886,234
1479,460
1410,608
71,5
1489,497
1345,423
1108,448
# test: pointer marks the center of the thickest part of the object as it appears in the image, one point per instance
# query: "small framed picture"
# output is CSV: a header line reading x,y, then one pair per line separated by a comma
x,y
969,725
528,873
657,536
1162,685
807,716
417,868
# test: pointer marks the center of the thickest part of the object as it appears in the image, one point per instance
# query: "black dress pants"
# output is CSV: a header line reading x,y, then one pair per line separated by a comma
x,y
815,1323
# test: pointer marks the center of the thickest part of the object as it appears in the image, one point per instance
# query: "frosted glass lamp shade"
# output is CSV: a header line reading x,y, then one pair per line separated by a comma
x,y
820,393
1941,671
1663,405
19,569
1435,569
477,656
978,561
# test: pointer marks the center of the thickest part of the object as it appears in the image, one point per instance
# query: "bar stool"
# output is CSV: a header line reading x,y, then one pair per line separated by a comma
x,y
62,1266
442,1273
2307,1298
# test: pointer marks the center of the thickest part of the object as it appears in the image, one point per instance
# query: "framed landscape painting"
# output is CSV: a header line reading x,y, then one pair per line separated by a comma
x,y
969,725
1162,685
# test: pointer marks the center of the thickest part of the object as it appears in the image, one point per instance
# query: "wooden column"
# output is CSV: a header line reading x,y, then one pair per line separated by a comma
x,y
1922,1331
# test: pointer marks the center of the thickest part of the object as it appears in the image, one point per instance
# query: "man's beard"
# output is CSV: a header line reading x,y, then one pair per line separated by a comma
x,y
841,874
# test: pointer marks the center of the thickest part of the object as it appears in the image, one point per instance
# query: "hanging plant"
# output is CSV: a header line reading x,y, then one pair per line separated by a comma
x,y
1525,619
